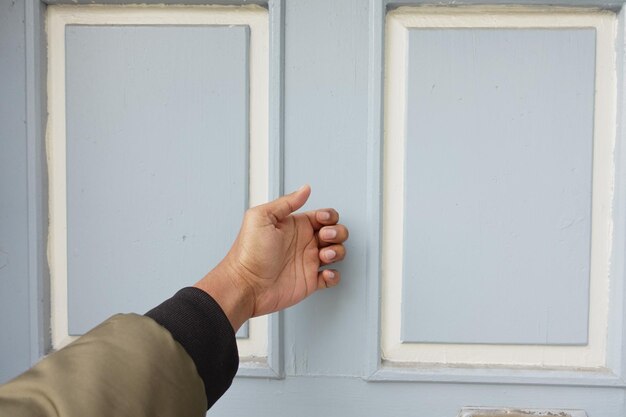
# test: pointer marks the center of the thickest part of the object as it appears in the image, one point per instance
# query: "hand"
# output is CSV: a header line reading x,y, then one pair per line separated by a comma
x,y
275,260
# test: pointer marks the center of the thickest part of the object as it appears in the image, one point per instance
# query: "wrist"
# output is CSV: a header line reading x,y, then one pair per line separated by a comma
x,y
233,295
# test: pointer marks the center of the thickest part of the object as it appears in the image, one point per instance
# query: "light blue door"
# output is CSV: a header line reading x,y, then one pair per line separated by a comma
x,y
474,152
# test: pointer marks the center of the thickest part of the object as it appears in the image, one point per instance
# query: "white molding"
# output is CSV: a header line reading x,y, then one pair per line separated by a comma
x,y
256,18
398,22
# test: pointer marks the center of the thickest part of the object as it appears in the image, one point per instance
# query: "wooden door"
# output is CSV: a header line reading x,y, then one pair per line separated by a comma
x,y
473,151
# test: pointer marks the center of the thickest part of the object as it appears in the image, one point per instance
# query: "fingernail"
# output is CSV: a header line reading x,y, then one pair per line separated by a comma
x,y
330,274
323,215
329,234
330,254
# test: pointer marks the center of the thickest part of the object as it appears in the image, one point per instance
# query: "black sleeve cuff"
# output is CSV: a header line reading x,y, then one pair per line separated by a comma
x,y
197,322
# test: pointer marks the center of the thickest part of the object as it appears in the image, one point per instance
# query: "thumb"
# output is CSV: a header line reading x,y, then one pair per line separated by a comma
x,y
287,204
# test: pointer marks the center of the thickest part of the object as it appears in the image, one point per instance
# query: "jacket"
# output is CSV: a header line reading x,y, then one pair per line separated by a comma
x,y
176,360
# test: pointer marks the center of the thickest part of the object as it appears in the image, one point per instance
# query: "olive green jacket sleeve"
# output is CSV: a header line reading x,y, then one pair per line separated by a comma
x,y
132,365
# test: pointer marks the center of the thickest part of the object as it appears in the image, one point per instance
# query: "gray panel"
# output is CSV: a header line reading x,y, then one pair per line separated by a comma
x,y
326,56
244,331
498,186
14,285
157,161
340,397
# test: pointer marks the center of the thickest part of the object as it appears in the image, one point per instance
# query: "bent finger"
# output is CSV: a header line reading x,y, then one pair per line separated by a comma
x,y
328,278
332,254
333,234
322,217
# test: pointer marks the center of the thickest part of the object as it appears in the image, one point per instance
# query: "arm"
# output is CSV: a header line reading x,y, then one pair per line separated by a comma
x,y
182,356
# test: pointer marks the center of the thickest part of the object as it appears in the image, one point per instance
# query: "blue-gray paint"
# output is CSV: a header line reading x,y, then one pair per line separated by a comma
x,y
244,331
349,396
274,366
600,377
36,113
373,196
616,349
497,210
24,313
157,161
326,116
374,369
14,281
357,189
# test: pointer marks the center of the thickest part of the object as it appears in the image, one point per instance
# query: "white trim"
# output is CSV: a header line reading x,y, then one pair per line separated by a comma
x,y
256,18
398,22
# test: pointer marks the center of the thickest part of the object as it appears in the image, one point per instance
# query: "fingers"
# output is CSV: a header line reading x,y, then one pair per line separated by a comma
x,y
331,254
322,217
332,234
328,278
287,204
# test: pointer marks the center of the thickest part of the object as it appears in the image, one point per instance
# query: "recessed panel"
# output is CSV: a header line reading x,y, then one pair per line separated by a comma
x,y
498,185
157,161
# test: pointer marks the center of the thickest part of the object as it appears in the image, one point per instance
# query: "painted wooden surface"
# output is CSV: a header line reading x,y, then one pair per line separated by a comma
x,y
325,115
243,331
341,396
261,351
331,68
14,297
157,151
498,161
474,362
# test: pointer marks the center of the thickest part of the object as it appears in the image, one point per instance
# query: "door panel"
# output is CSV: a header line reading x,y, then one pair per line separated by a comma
x,y
496,233
497,183
157,144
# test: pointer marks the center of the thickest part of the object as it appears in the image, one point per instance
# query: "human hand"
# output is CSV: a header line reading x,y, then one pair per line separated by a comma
x,y
275,260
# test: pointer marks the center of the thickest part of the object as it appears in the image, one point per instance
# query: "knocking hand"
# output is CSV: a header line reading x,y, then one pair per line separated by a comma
x,y
275,260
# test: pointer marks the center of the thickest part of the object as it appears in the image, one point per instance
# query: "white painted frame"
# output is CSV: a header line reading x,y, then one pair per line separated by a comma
x,y
254,349
392,350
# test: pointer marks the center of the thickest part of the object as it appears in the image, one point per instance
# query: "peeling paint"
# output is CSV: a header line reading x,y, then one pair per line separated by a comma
x,y
517,412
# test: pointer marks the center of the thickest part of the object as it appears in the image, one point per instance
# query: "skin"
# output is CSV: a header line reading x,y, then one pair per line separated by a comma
x,y
275,261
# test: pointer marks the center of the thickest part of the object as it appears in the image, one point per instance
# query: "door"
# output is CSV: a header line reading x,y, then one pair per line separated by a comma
x,y
473,151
